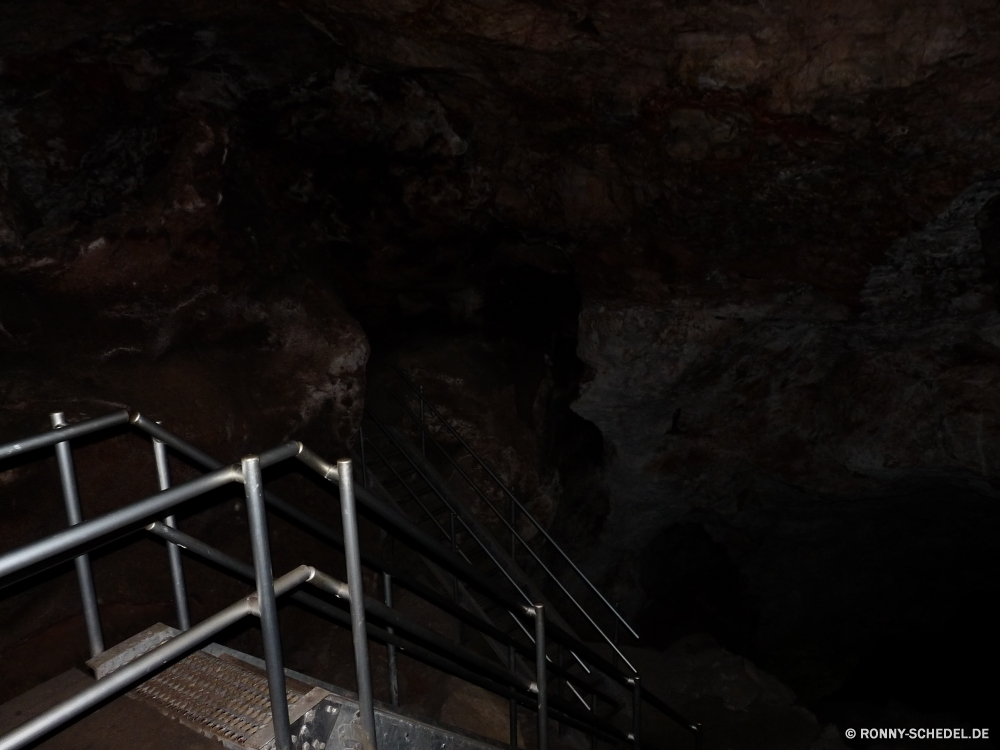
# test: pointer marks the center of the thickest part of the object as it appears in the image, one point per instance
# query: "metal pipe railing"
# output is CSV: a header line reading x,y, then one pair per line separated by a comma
x,y
173,551
427,646
437,647
603,665
537,558
51,437
143,666
391,518
352,554
268,607
84,574
330,536
455,512
52,549
513,498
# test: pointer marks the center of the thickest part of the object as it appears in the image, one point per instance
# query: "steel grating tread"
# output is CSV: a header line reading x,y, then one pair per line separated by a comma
x,y
214,696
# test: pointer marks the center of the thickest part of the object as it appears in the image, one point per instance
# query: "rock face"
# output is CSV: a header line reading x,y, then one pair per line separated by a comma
x,y
783,423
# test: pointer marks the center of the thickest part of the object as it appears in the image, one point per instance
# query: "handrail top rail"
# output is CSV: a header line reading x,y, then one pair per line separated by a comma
x,y
76,537
61,434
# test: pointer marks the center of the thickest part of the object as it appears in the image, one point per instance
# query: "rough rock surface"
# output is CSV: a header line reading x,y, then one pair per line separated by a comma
x,y
793,424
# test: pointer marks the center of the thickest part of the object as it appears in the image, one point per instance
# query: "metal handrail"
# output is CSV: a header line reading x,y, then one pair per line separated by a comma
x,y
631,682
472,534
535,555
513,499
97,532
32,558
482,545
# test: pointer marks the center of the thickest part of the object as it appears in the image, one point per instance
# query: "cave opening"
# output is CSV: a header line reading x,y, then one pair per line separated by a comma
x,y
711,286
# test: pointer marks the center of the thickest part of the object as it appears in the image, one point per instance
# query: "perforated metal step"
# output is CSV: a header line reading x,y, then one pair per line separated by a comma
x,y
219,699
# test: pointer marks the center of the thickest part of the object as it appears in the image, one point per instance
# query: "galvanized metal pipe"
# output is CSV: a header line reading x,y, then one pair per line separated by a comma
x,y
173,553
636,711
593,711
84,574
45,439
329,535
13,561
145,665
412,629
58,544
394,520
512,666
352,554
390,649
441,654
540,678
156,430
510,494
538,560
257,516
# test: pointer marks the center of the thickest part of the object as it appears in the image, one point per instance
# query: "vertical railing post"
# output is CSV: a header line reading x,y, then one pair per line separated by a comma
x,y
561,728
593,715
173,551
390,649
423,439
614,638
512,665
84,575
268,607
636,710
352,554
540,677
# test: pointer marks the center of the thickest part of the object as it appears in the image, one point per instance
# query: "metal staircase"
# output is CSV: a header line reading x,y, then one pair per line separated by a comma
x,y
480,586
407,475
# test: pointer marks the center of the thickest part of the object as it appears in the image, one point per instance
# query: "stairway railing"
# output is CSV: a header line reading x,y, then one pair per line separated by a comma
x,y
515,508
397,631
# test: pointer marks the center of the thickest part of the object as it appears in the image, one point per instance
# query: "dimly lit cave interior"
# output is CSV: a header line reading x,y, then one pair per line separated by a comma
x,y
712,285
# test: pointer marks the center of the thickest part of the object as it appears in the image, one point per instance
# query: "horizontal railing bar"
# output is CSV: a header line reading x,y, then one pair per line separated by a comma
x,y
446,663
447,559
472,533
51,437
527,547
511,495
89,531
426,635
181,446
426,479
329,535
81,534
143,666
